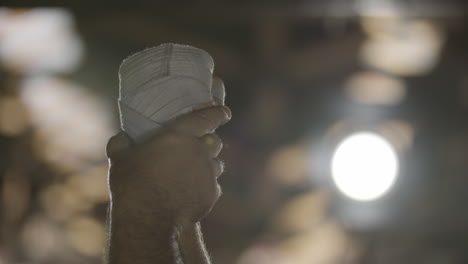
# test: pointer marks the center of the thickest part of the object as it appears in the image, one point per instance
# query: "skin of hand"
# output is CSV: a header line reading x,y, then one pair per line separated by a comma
x,y
174,174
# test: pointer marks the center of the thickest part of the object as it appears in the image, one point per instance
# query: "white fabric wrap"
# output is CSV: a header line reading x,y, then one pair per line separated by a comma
x,y
161,83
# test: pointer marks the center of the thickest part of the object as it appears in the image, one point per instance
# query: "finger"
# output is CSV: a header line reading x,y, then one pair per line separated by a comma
x,y
214,143
117,143
218,167
219,191
203,106
202,122
218,91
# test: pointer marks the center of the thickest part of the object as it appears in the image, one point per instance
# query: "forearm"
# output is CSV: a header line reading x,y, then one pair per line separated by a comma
x,y
191,245
140,238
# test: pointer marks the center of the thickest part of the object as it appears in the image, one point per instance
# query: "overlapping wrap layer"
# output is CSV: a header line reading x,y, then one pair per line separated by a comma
x,y
161,83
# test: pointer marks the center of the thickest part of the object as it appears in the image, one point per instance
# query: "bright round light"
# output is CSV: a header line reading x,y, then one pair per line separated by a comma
x,y
364,166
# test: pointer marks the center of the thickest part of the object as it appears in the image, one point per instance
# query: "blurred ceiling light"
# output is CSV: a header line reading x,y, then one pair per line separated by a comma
x,y
288,165
87,236
13,116
39,40
327,243
338,130
91,184
42,239
364,166
399,132
301,214
62,203
406,48
260,253
380,26
375,88
72,124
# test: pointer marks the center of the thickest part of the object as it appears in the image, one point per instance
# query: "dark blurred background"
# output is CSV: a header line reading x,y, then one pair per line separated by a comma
x,y
300,76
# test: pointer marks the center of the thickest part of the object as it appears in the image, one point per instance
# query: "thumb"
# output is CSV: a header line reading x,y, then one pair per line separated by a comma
x,y
117,143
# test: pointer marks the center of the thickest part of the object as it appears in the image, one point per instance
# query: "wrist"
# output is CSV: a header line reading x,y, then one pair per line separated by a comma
x,y
141,215
191,245
153,209
136,234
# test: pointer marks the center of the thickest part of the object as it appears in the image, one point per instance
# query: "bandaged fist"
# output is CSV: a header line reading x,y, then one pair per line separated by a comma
x,y
173,174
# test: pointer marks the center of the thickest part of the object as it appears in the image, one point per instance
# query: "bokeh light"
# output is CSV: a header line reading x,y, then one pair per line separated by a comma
x,y
39,40
364,166
400,133
405,47
375,88
54,106
287,166
43,239
87,235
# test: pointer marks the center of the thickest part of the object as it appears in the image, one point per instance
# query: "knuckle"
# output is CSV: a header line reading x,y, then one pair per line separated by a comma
x,y
217,138
219,191
218,166
220,143
212,114
219,114
172,139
